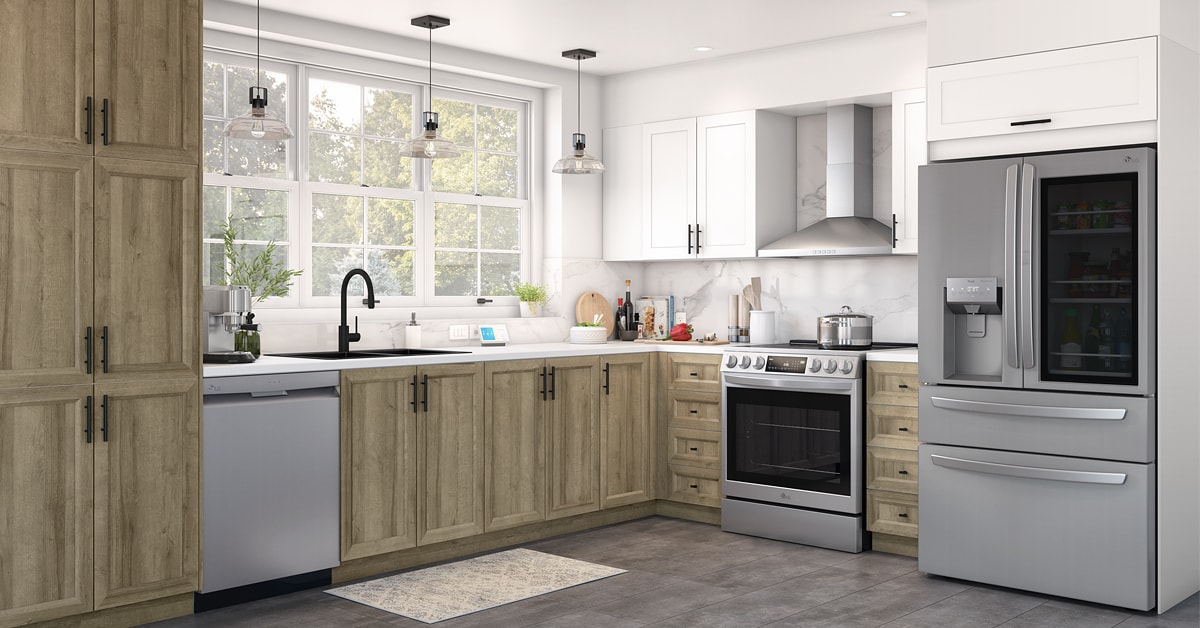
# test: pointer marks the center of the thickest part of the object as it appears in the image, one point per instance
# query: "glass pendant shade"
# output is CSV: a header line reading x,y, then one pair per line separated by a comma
x,y
429,145
258,124
578,162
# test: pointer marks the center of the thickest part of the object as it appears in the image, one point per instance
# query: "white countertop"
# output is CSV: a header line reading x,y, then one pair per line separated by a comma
x,y
270,365
893,355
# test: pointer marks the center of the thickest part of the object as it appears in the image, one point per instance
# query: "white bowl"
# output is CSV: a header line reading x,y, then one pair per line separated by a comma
x,y
588,335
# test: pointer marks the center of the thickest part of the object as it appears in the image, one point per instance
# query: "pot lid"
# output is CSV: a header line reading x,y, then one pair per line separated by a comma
x,y
848,313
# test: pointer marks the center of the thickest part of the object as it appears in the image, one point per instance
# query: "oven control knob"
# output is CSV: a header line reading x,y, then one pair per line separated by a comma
x,y
831,366
730,361
745,362
847,366
760,363
815,365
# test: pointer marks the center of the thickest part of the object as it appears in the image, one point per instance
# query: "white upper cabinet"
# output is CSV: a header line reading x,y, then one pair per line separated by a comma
x,y
623,193
669,189
909,152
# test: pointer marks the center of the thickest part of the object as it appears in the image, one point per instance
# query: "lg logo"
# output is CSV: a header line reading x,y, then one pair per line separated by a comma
x,y
785,496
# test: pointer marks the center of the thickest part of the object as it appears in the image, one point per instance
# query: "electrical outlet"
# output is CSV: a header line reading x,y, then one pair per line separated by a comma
x,y
459,332
680,318
473,332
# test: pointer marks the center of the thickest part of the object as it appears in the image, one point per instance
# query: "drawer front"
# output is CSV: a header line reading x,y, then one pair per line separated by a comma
x,y
892,426
892,513
693,372
694,485
892,469
697,448
700,411
893,383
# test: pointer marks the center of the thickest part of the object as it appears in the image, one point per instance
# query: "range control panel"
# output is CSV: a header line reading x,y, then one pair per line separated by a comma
x,y
833,364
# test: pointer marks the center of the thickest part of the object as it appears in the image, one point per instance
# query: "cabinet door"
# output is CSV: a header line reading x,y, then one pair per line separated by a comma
x,y
573,460
46,254
669,189
515,433
725,172
47,50
147,91
449,452
623,193
45,504
147,491
909,152
146,275
625,434
378,460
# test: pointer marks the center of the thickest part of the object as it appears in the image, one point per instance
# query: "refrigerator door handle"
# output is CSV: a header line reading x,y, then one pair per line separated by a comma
x,y
1033,473
1011,257
1043,412
1026,279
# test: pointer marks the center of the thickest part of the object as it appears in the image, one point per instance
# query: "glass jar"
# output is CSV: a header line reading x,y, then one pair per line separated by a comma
x,y
246,338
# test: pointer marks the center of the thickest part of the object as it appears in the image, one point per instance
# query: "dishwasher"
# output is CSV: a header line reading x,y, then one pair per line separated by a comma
x,y
270,469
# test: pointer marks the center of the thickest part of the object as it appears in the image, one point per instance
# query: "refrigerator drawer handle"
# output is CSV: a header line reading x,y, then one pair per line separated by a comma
x,y
1045,412
1033,473
750,381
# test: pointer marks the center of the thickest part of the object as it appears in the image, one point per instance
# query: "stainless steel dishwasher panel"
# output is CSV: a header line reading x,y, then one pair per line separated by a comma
x,y
270,478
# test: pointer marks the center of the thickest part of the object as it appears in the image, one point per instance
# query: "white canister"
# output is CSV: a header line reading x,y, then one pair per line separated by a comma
x,y
762,327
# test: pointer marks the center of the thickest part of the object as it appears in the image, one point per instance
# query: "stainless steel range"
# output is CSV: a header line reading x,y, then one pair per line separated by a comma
x,y
792,467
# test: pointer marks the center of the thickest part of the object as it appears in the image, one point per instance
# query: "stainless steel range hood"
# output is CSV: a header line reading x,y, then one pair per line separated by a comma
x,y
849,227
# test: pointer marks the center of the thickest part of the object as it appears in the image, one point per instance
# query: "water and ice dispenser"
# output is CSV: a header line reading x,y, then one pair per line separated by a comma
x,y
974,338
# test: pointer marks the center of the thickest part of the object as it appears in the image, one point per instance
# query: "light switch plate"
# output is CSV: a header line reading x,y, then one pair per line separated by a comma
x,y
459,332
493,335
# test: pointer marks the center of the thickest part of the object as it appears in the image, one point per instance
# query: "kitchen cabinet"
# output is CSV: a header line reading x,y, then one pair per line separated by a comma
x,y
573,436
690,428
449,452
710,187
1045,100
625,431
100,496
114,78
891,469
515,433
909,152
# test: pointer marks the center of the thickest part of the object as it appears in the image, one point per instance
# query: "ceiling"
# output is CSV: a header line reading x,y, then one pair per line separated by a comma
x,y
627,35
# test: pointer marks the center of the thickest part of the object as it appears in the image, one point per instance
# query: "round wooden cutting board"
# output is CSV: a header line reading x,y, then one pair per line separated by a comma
x,y
590,304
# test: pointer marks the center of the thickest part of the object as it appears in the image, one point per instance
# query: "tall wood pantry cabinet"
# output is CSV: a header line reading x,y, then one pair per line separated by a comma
x,y
99,320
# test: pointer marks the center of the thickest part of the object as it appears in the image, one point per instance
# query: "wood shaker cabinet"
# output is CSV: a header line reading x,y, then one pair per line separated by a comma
x,y
690,428
450,452
515,437
626,435
573,436
892,508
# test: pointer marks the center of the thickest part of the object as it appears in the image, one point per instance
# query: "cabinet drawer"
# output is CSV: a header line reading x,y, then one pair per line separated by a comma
x,y
694,485
893,383
892,469
693,410
892,513
892,426
699,448
693,372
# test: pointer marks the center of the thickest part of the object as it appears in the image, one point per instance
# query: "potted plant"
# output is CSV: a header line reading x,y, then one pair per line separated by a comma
x,y
532,296
262,273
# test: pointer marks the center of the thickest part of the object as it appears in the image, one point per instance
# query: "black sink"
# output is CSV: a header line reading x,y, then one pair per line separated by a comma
x,y
365,353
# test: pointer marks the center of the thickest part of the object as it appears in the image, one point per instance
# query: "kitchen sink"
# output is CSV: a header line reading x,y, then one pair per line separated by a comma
x,y
365,353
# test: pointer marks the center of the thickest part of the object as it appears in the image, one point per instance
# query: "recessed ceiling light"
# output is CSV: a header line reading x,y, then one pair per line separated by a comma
x,y
899,13
703,48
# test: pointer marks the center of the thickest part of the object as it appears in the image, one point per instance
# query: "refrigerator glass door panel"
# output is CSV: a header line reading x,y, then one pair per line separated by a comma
x,y
1104,427
1075,528
968,230
1093,260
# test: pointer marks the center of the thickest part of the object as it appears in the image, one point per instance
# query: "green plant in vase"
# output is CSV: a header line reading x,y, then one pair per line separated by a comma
x,y
532,296
261,272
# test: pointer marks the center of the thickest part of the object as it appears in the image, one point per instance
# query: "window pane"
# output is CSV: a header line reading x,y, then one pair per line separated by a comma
x,y
214,144
500,273
456,174
498,175
329,267
214,89
214,264
242,78
454,273
334,106
214,211
259,214
455,226
456,121
257,158
334,158
384,167
497,128
391,272
388,113
337,219
390,222
500,228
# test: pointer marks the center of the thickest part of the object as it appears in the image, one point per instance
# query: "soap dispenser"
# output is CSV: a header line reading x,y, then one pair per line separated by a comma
x,y
412,333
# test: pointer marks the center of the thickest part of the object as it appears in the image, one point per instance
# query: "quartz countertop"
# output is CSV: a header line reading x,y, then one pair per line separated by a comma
x,y
893,355
270,364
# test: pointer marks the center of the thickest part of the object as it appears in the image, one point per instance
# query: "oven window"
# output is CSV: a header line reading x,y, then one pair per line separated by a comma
x,y
789,439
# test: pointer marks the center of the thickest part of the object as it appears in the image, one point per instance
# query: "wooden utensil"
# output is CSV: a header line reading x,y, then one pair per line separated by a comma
x,y
592,304
756,285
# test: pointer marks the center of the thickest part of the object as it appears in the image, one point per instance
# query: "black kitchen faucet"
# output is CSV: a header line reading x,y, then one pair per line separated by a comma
x,y
345,337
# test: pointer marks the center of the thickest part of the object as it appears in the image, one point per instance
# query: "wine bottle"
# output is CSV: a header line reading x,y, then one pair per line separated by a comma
x,y
628,308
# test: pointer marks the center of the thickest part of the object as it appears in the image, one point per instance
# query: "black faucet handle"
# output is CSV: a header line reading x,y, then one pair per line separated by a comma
x,y
370,302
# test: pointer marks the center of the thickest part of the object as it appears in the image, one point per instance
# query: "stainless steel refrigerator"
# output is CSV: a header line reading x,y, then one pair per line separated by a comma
x,y
1036,360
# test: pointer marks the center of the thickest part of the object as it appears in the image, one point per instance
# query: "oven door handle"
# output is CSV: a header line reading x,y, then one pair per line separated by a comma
x,y
758,381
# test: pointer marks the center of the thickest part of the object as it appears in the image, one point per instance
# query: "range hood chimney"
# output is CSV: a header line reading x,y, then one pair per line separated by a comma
x,y
849,227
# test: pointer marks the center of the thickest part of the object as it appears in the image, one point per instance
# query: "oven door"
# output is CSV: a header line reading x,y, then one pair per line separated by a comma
x,y
793,441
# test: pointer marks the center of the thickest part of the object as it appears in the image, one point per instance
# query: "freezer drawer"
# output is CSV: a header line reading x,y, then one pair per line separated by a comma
x,y
1104,427
1076,528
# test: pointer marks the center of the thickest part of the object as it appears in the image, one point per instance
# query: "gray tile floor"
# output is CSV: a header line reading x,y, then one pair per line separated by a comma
x,y
685,574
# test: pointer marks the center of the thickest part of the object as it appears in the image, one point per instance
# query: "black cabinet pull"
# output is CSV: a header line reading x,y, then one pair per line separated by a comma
x,y
414,393
902,514
698,232
1028,122
425,393
606,378
692,486
902,472
87,423
104,122
693,412
543,391
693,449
104,418
689,238
87,349
902,429
893,231
552,383
87,125
901,385
694,374
104,348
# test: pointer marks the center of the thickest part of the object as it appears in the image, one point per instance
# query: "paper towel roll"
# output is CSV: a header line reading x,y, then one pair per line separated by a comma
x,y
733,310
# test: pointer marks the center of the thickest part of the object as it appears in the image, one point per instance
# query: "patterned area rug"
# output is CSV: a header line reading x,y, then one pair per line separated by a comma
x,y
437,593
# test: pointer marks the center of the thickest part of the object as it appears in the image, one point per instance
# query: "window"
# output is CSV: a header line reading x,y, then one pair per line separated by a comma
x,y
339,196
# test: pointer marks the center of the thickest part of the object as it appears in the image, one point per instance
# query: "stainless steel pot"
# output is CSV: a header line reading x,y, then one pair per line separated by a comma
x,y
844,330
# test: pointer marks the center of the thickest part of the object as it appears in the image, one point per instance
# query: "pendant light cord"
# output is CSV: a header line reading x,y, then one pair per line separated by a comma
x,y
430,69
258,41
578,96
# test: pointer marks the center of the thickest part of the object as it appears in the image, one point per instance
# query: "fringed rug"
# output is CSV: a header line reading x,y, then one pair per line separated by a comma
x,y
437,593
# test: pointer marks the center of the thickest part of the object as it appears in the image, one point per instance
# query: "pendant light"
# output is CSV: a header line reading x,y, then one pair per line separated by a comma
x,y
578,161
258,125
428,144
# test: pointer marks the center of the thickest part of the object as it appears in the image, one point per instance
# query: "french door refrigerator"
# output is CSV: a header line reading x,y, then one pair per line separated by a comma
x,y
1037,352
